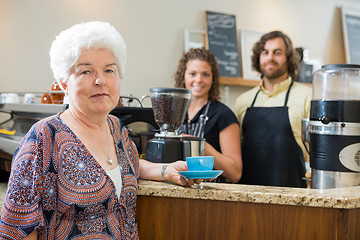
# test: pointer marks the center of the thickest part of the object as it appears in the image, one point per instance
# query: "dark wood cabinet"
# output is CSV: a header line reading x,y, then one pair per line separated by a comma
x,y
178,218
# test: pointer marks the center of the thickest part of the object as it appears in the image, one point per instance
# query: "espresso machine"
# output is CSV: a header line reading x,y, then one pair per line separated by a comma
x,y
170,106
333,129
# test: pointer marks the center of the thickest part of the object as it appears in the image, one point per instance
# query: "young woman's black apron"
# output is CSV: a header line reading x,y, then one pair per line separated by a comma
x,y
196,128
270,153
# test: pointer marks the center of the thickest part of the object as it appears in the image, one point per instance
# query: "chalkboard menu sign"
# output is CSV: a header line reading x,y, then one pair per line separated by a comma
x,y
222,42
351,27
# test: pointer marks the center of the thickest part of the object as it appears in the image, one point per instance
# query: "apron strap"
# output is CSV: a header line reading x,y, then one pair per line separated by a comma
x,y
199,127
206,109
287,94
203,117
253,102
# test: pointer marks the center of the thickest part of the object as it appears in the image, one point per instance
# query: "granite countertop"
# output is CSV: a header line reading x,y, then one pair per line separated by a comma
x,y
343,198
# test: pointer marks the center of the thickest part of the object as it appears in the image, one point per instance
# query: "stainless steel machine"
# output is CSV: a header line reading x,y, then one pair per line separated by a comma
x,y
333,129
170,107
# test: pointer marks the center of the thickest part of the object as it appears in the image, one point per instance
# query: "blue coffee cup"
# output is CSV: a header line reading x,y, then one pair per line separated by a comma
x,y
200,163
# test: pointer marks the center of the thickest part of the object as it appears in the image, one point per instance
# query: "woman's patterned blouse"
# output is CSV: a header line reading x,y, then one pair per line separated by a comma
x,y
58,188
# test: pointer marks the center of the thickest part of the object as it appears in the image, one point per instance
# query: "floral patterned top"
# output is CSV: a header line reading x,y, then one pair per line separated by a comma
x,y
59,189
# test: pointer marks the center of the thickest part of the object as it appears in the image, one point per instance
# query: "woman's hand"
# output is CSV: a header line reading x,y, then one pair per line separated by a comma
x,y
171,174
157,172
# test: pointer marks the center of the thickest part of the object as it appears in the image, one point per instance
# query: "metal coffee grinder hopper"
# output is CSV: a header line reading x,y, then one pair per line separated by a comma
x,y
333,129
170,106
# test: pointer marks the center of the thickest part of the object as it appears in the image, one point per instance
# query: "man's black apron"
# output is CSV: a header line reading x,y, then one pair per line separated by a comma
x,y
270,153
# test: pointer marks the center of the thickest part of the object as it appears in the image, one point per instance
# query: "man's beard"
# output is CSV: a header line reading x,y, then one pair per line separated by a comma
x,y
281,70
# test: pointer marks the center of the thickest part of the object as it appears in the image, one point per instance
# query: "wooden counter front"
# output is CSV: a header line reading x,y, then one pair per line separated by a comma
x,y
166,211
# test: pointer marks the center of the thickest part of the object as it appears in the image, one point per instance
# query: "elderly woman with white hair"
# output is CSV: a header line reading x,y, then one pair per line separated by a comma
x,y
75,174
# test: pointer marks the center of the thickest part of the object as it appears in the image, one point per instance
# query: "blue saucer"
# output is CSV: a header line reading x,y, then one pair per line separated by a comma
x,y
201,174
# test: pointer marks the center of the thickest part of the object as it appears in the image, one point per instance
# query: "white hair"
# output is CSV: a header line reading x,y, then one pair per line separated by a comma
x,y
67,46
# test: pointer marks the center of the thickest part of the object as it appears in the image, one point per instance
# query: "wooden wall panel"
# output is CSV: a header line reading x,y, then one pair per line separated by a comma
x,y
175,218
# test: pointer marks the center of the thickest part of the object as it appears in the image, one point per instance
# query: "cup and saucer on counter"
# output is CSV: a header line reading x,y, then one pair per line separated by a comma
x,y
200,167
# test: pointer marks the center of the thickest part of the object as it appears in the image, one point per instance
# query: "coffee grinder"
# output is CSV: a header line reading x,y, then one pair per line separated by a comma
x,y
170,106
334,127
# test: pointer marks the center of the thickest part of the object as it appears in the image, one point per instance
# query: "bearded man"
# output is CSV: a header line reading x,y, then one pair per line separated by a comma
x,y
270,116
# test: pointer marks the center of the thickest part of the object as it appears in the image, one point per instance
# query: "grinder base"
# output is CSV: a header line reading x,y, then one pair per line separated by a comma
x,y
321,179
171,149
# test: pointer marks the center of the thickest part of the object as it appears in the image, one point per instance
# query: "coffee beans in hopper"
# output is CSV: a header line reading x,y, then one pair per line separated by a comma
x,y
169,111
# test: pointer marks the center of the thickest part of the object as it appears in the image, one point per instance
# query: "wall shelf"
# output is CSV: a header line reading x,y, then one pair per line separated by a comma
x,y
245,82
239,82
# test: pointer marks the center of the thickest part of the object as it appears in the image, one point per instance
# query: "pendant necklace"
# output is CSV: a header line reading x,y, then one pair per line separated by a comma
x,y
109,160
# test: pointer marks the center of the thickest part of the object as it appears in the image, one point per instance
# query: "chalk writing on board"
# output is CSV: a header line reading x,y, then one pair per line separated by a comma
x,y
222,40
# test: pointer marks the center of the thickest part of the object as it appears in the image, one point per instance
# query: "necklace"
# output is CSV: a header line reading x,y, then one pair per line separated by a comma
x,y
109,160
